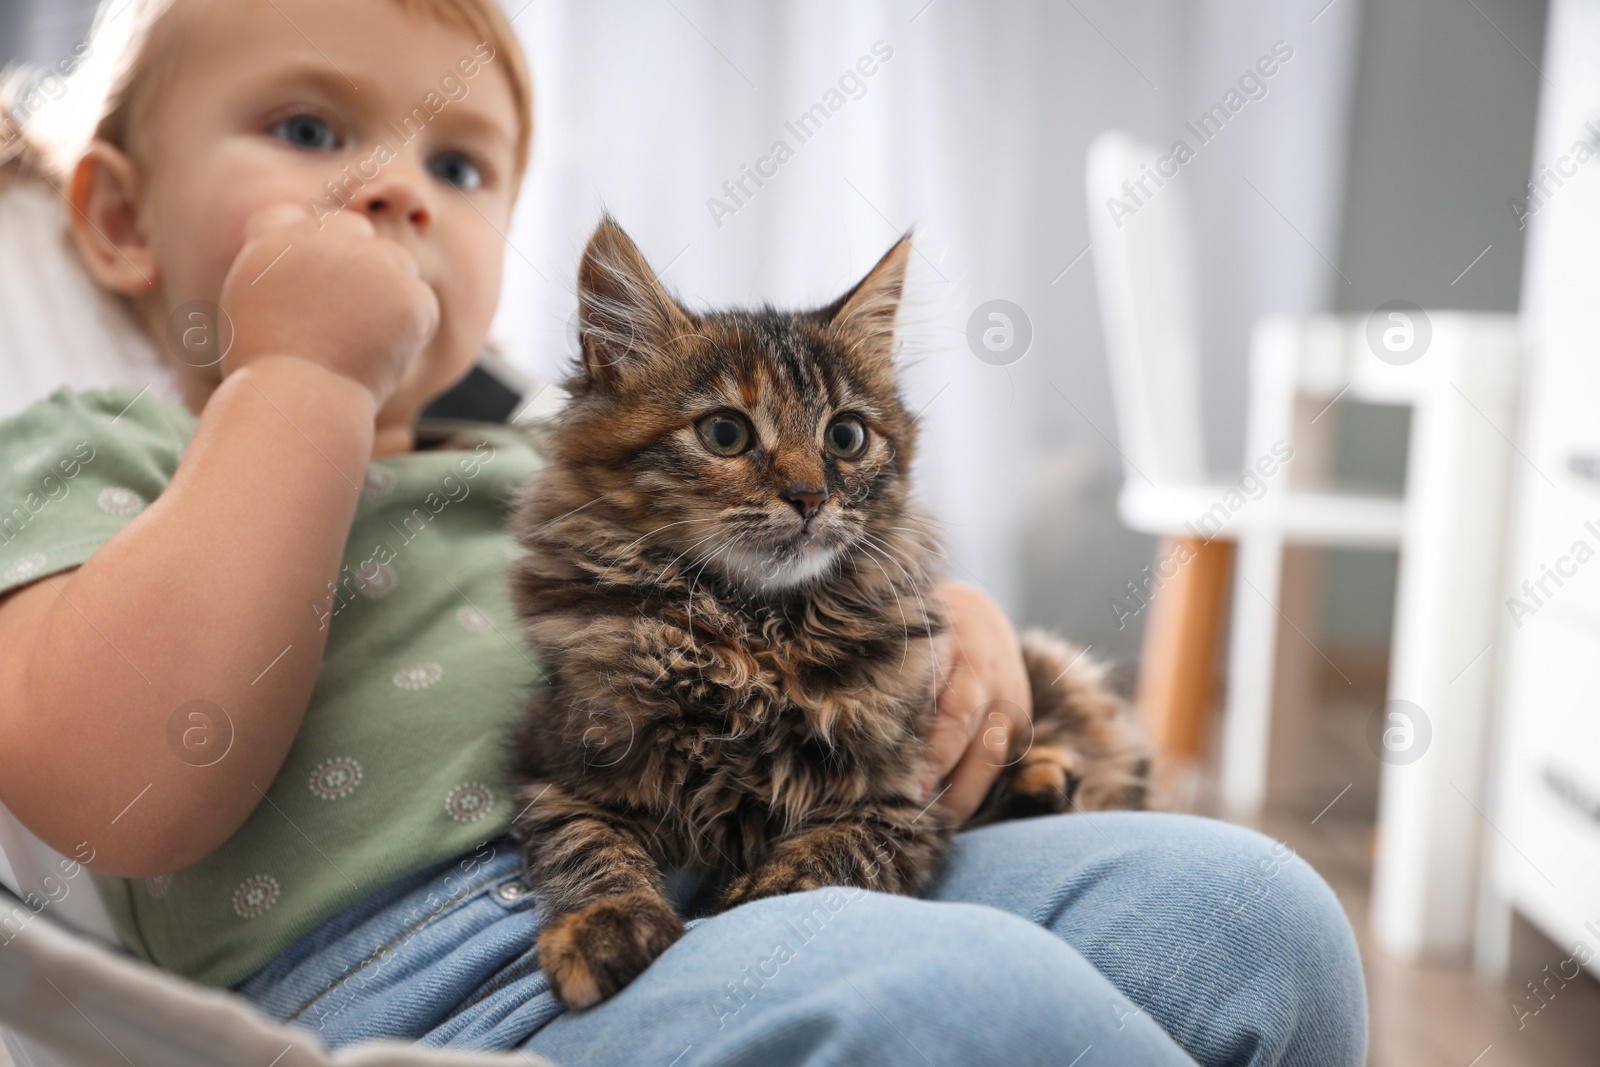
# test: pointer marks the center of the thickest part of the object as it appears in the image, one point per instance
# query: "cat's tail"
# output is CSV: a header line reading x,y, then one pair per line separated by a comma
x,y
1085,751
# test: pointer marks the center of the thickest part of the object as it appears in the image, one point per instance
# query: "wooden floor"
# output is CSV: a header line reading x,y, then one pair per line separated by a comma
x,y
1440,1015
1422,1015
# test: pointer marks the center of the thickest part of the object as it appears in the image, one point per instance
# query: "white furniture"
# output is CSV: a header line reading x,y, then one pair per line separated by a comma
x,y
81,1006
57,327
1462,389
1144,269
1463,397
34,871
1545,860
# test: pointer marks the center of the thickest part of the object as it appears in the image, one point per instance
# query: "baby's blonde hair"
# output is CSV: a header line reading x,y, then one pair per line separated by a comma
x,y
49,116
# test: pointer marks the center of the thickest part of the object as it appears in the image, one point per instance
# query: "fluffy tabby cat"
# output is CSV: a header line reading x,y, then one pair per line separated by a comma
x,y
729,588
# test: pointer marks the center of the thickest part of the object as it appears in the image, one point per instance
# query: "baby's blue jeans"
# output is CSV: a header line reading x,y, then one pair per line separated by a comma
x,y
1123,938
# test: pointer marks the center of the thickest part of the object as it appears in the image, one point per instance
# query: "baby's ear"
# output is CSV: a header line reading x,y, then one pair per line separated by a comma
x,y
625,317
106,222
865,315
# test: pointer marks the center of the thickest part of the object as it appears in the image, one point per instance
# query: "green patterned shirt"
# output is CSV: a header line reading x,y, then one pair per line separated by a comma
x,y
401,761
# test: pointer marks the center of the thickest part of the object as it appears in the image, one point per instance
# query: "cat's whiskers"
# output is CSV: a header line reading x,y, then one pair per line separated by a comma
x,y
703,564
694,582
915,514
658,529
905,626
911,515
662,573
542,526
889,553
934,646
929,544
932,549
615,562
689,603
915,589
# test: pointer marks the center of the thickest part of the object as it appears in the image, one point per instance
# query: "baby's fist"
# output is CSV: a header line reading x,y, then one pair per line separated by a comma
x,y
332,292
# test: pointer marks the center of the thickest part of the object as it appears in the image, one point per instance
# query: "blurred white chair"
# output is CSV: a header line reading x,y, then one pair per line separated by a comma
x,y
1462,389
1144,268
57,328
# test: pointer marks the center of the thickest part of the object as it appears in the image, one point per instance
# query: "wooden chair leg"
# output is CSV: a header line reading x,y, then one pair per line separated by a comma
x,y
1178,661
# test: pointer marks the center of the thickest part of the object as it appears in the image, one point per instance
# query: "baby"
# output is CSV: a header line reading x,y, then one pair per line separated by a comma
x,y
257,663
185,610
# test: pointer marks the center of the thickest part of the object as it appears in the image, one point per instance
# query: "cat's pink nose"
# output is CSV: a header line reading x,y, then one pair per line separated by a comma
x,y
806,501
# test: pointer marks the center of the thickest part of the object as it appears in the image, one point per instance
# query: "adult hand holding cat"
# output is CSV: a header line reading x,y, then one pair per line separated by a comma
x,y
332,293
982,699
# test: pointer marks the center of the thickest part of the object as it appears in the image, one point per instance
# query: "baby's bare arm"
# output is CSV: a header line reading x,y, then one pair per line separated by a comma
x,y
192,600
197,597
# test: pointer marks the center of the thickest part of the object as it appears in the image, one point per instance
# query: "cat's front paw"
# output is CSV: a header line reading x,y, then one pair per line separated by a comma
x,y
591,953
771,880
1044,783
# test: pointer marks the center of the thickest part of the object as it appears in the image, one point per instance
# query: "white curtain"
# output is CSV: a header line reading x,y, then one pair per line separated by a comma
x,y
971,127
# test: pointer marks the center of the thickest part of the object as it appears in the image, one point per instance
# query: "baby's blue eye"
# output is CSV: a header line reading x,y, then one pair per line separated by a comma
x,y
306,131
456,169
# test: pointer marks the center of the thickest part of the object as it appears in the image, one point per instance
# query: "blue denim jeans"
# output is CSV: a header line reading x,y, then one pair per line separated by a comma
x,y
1114,938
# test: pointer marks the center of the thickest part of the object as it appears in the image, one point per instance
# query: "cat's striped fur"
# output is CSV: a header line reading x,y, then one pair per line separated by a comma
x,y
739,648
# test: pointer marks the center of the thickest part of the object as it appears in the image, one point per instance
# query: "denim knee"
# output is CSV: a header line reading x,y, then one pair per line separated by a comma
x,y
1260,963
898,980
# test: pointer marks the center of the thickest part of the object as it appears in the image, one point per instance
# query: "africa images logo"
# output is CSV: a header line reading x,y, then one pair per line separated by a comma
x,y
1207,127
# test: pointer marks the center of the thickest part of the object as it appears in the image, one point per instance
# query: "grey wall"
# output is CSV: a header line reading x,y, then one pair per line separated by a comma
x,y
10,31
41,31
1441,138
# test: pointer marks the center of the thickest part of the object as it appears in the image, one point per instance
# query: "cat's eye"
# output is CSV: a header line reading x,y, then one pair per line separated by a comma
x,y
726,433
846,437
310,132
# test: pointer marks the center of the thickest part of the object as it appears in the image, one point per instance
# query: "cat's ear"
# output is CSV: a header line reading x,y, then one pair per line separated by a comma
x,y
625,316
866,314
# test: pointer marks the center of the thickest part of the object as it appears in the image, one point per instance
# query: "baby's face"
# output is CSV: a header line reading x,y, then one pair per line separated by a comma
x,y
352,105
